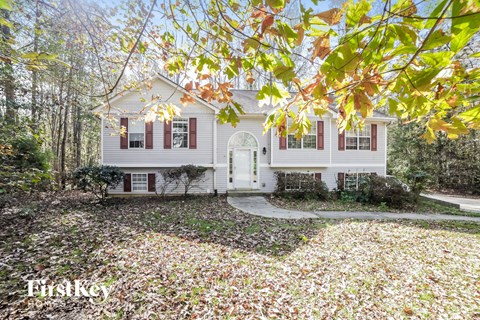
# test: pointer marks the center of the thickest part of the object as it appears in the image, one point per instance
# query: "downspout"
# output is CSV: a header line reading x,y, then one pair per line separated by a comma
x,y
330,149
101,139
386,130
271,146
215,153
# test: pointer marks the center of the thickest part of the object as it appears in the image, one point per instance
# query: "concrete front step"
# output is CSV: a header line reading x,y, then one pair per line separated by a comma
x,y
245,193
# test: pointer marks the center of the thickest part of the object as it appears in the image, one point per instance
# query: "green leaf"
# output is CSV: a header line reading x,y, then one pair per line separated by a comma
x,y
407,36
141,47
272,94
355,11
437,39
267,61
232,69
6,4
463,28
435,13
228,115
472,115
460,39
4,22
275,4
437,59
284,73
287,32
423,80
250,44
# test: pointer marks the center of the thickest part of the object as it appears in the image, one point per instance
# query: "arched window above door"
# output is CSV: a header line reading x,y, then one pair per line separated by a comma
x,y
243,139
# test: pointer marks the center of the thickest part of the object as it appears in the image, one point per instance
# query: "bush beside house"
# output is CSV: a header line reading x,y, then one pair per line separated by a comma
x,y
98,179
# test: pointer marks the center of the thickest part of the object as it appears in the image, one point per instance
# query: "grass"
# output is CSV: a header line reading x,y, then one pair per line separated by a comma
x,y
200,258
424,206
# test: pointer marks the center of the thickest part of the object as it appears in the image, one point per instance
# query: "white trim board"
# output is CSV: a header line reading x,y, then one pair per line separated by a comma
x,y
156,165
324,165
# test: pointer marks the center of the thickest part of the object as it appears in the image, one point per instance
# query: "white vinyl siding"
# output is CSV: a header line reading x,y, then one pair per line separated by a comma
x,y
205,186
293,156
359,157
130,105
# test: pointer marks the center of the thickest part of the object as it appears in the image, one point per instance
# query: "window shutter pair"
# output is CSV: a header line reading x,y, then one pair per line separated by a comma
x,y
282,141
148,134
373,136
127,182
192,134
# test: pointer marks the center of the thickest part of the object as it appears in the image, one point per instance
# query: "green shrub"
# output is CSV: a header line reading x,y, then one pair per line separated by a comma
x,y
167,179
418,181
191,176
383,191
299,185
23,164
98,179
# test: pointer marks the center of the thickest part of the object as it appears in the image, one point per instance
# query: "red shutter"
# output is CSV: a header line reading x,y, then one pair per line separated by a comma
x,y
341,141
192,137
318,176
124,138
151,182
320,135
167,135
127,182
282,141
149,135
341,180
374,137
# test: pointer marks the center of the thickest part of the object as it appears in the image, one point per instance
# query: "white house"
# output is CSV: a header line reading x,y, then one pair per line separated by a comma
x,y
241,158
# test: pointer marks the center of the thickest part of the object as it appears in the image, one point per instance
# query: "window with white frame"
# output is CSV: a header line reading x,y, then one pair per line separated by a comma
x,y
139,182
136,133
308,141
353,181
358,139
180,132
293,180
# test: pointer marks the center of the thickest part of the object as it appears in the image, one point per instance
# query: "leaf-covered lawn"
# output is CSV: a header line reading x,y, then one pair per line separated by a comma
x,y
200,258
424,206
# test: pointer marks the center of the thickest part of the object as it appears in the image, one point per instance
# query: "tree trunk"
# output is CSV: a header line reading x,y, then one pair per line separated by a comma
x,y
35,117
77,135
65,130
8,72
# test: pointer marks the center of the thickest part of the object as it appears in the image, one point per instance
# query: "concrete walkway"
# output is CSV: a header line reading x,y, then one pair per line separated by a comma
x,y
259,206
467,204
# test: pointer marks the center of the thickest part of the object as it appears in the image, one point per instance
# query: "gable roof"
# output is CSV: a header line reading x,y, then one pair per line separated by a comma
x,y
246,98
162,78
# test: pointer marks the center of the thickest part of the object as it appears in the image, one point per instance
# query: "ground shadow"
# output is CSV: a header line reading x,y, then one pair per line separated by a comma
x,y
69,235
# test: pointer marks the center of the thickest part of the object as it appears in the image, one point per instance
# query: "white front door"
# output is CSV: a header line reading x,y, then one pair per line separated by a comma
x,y
242,168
